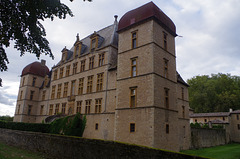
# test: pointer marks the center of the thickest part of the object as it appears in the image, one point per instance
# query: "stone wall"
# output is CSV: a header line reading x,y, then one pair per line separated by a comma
x,y
207,137
63,147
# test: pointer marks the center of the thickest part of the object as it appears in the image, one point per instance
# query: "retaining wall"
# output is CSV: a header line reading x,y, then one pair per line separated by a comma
x,y
201,138
64,147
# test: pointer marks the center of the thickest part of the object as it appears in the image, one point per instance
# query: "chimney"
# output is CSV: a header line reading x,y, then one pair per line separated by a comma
x,y
43,62
230,110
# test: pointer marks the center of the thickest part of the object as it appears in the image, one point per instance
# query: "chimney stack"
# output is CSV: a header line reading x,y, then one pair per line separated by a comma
x,y
230,110
43,62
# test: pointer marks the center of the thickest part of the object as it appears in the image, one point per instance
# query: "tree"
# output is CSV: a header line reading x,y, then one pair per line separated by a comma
x,y
215,93
20,22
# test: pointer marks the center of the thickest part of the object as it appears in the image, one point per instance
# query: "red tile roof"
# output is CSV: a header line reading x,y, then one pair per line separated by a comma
x,y
147,11
35,68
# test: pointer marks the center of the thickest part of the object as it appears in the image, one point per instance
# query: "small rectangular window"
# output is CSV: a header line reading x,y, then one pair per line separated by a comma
x,y
101,59
132,127
165,68
89,84
41,110
34,81
50,109
21,95
75,68
237,117
133,98
133,67
64,108
80,86
65,91
55,74
166,96
31,95
59,91
53,92
29,109
134,40
18,110
79,106
165,40
99,82
167,128
96,126
73,88
238,126
23,81
61,72
93,44
183,111
98,105
182,93
67,70
57,109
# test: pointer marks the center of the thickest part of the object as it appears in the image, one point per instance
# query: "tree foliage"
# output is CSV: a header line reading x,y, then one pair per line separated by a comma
x,y
215,93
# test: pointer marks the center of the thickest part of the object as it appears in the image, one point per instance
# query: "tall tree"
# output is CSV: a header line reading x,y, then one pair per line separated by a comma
x,y
215,93
20,22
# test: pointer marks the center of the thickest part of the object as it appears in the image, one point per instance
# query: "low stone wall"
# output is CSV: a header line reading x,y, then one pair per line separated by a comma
x,y
64,147
201,138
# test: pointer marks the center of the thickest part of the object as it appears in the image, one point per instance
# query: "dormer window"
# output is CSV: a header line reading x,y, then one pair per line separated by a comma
x,y
64,54
94,44
78,45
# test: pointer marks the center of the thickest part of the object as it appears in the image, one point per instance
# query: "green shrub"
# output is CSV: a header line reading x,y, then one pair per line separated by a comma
x,y
196,125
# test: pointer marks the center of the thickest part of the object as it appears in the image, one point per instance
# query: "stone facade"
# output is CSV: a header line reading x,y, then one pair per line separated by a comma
x,y
123,78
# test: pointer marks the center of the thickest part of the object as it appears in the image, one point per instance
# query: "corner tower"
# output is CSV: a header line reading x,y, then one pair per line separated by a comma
x,y
32,78
146,75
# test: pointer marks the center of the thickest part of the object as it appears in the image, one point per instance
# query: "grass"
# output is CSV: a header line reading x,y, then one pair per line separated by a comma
x,y
10,152
229,151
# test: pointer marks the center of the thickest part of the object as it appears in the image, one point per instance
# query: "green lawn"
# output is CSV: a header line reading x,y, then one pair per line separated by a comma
x,y
10,152
229,151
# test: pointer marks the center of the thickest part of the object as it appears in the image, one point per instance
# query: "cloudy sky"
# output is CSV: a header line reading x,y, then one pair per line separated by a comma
x,y
210,41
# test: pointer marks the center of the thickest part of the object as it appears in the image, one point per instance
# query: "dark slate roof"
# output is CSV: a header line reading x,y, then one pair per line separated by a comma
x,y
235,112
218,121
107,36
145,12
180,80
217,114
35,68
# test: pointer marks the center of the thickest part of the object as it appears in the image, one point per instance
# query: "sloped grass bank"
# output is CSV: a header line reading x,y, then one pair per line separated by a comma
x,y
10,152
229,151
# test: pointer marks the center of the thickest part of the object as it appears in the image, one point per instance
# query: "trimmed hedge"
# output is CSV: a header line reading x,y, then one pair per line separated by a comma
x,y
70,125
35,127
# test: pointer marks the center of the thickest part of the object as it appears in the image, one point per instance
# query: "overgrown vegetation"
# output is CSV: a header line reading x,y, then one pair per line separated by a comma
x,y
70,125
215,93
229,151
6,118
205,126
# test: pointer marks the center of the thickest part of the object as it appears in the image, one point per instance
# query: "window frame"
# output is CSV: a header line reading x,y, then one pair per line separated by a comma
x,y
166,98
134,39
75,67
132,127
65,89
80,86
88,106
133,97
165,41
99,86
166,67
98,105
91,63
53,91
82,67
79,107
90,84
134,66
101,58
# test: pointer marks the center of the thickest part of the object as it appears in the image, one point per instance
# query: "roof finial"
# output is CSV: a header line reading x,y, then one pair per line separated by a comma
x,y
77,37
116,16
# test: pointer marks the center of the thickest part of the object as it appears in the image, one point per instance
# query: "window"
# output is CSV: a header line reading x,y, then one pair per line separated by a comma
x,y
133,67
205,120
101,59
18,110
53,92
55,74
182,93
167,128
51,109
80,86
238,126
237,117
29,109
134,40
75,68
132,127
23,81
79,106
61,72
44,95
67,70
89,84
96,126
82,68
65,91
21,95
57,109
73,88
31,95
41,110
183,111
165,68
166,98
34,81
59,91
195,120
77,50
99,82
64,56
91,62
88,105
98,105
64,108
133,99
165,40
93,44
223,118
